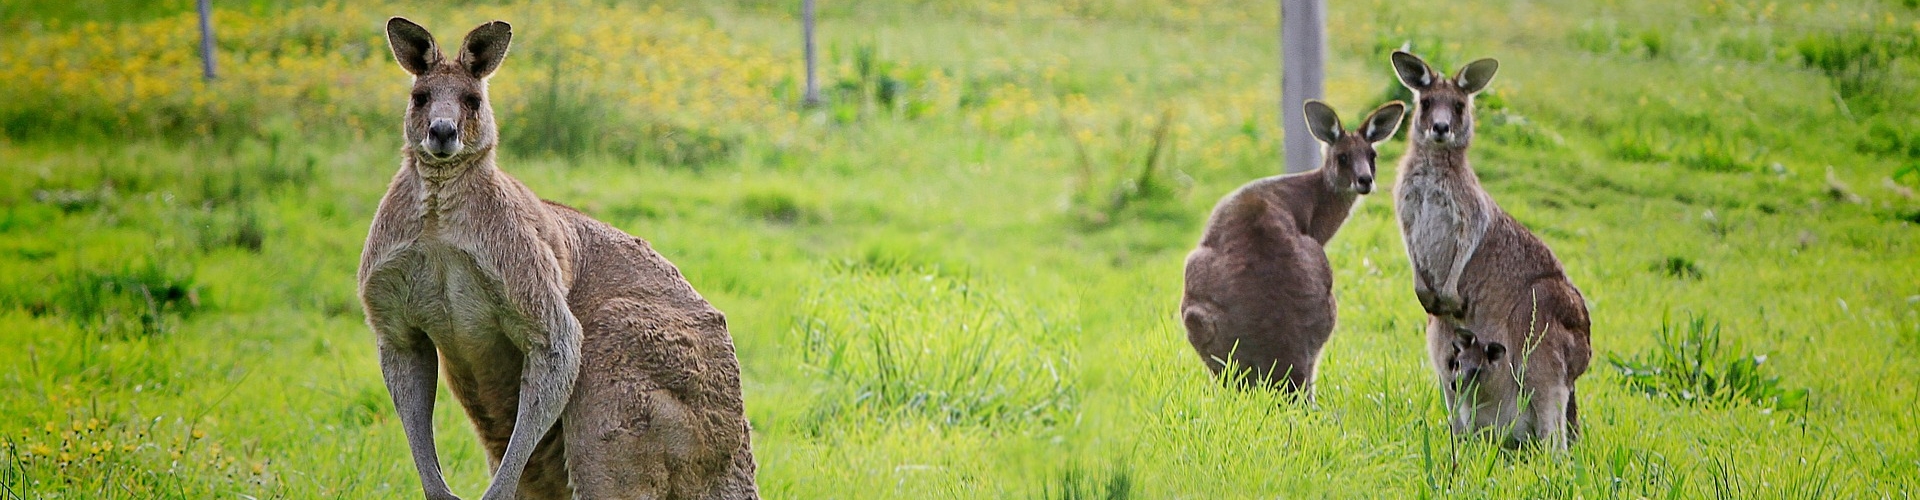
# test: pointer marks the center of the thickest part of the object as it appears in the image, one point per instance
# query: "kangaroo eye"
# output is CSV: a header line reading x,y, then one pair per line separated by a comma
x,y
1343,158
1426,103
420,97
1459,107
472,101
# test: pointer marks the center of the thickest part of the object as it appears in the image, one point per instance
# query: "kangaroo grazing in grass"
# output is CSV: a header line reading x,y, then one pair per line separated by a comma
x,y
1259,292
588,365
1479,273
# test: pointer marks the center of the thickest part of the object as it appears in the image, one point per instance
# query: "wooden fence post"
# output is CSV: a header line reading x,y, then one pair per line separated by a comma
x,y
206,40
813,83
1303,52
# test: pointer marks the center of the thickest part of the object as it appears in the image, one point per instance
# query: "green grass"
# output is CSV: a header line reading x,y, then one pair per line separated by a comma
x,y
935,294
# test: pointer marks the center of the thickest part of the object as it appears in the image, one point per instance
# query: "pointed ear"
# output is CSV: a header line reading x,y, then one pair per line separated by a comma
x,y
1460,345
1476,75
1322,122
484,48
412,45
1494,351
1384,121
1413,72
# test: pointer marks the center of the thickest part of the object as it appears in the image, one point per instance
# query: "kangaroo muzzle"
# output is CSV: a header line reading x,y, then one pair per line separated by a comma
x,y
443,138
1441,129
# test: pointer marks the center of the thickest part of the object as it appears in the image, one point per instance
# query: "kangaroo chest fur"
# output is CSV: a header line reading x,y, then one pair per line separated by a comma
x,y
1435,199
446,293
435,277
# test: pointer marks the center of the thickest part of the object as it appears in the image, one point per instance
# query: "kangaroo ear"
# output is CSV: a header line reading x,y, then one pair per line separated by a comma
x,y
412,45
1322,122
1413,72
1476,75
1494,351
1384,121
1460,345
485,47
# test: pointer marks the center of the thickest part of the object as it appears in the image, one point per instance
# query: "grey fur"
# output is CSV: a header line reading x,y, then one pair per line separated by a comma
x,y
1478,271
1259,291
587,364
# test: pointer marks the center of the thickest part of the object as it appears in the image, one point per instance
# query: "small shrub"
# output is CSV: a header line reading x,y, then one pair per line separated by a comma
x,y
1633,147
142,301
217,229
1688,367
247,233
1679,267
1858,63
1655,43
1719,155
71,200
778,206
1886,137
1075,483
1909,216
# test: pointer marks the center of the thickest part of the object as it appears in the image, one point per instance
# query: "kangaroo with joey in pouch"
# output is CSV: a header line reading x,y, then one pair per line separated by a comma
x,y
1258,298
587,364
1482,276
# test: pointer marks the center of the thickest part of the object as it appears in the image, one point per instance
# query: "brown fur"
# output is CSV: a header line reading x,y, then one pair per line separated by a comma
x,y
1477,270
587,364
1259,291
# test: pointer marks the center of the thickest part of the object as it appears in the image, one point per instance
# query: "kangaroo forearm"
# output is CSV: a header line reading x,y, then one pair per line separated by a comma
x,y
409,374
546,386
1475,231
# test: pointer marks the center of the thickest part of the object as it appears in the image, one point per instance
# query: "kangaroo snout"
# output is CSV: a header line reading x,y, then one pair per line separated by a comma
x,y
1440,131
443,138
1364,184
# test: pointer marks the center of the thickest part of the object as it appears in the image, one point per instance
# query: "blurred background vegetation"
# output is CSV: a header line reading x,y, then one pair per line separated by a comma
x,y
957,277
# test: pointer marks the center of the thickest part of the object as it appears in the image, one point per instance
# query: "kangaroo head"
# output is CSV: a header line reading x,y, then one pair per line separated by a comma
x,y
1443,107
1471,358
449,119
1349,155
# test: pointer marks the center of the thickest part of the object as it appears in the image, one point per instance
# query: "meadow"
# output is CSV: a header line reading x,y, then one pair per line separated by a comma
x,y
959,277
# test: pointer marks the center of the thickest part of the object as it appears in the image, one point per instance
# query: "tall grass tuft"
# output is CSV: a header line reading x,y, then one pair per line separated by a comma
x,y
1075,483
144,300
1859,63
1688,366
909,341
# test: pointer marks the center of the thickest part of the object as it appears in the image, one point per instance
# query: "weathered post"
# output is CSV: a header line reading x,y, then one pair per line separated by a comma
x,y
813,83
1303,52
206,39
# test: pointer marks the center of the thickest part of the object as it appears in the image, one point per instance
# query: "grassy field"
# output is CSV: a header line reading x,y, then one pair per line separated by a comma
x,y
959,278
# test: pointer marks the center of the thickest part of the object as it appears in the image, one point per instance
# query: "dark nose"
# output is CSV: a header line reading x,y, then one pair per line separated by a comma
x,y
1442,127
441,130
1366,180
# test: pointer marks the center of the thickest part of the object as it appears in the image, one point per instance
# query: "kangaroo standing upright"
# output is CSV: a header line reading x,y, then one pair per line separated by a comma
x,y
1480,274
1259,292
588,365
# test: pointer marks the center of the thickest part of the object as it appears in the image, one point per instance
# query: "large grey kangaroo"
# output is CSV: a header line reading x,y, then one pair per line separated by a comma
x,y
1479,273
1259,292
588,365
